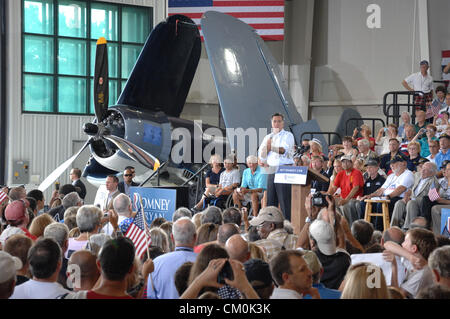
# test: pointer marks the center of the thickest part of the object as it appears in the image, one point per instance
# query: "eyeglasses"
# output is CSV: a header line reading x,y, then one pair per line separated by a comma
x,y
128,175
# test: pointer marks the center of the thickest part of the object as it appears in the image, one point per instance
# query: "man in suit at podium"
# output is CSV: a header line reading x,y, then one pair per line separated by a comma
x,y
128,175
75,175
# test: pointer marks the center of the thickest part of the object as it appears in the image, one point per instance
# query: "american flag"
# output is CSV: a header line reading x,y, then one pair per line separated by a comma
x,y
433,194
137,233
265,16
3,196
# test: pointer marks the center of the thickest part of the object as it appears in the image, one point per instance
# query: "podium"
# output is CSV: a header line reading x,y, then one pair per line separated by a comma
x,y
298,199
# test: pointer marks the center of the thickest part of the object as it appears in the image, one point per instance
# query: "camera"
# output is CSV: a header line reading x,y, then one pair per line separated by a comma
x,y
320,200
226,272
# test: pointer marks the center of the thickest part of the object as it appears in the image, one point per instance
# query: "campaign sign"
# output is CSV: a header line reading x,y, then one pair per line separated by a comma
x,y
157,202
291,175
445,222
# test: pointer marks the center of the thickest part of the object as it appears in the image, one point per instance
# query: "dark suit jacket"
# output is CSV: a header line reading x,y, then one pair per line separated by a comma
x,y
121,186
80,184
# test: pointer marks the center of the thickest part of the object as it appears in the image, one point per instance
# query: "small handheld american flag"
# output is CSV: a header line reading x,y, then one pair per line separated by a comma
x,y
137,233
433,194
3,197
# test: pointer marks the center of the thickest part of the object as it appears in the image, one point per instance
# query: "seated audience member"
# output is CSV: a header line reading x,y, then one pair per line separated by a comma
x,y
410,133
17,218
383,141
335,263
181,277
345,149
89,273
424,140
444,153
254,183
408,208
442,121
434,292
181,212
57,212
421,122
259,276
317,270
337,168
394,150
414,156
434,150
438,104
237,248
60,233
270,225
225,232
366,133
9,265
292,275
45,259
351,183
39,223
431,210
213,215
415,250
18,246
89,222
211,181
161,281
317,164
356,283
364,152
406,119
395,186
362,231
439,262
394,234
315,149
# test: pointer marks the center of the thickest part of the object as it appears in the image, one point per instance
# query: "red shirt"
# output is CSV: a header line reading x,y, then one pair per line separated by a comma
x,y
93,295
347,182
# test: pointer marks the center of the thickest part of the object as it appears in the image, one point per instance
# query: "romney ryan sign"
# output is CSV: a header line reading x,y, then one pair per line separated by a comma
x,y
157,202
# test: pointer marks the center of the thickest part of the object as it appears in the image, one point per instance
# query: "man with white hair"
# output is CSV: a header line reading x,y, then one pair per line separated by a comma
x,y
161,283
122,206
9,266
254,183
364,151
412,201
60,233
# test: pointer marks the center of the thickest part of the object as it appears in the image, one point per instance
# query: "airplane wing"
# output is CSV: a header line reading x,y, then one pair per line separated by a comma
x,y
163,74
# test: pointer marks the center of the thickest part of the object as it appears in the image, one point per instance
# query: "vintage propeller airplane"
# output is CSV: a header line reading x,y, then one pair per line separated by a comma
x,y
137,131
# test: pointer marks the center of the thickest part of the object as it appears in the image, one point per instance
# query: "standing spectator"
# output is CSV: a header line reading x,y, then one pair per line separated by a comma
x,y
383,141
161,282
351,183
39,198
439,262
112,183
70,217
58,212
292,275
181,212
334,262
417,247
205,234
17,193
17,218
18,246
122,206
128,175
60,233
9,265
39,223
421,82
362,231
75,175
357,279
213,215
237,248
434,150
254,183
317,270
89,272
45,259
277,150
406,119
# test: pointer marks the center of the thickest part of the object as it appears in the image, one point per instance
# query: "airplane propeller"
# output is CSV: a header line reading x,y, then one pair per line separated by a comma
x,y
97,130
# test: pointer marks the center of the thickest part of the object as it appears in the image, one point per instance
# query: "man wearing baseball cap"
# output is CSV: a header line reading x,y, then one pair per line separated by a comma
x,y
350,181
270,226
444,154
17,218
8,267
395,186
420,81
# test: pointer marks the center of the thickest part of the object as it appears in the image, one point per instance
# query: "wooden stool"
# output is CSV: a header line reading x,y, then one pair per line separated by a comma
x,y
385,209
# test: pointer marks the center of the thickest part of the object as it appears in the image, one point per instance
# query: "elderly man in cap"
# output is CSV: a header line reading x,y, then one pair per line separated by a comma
x,y
314,264
351,183
335,261
412,201
9,265
444,154
274,238
422,82
395,186
17,218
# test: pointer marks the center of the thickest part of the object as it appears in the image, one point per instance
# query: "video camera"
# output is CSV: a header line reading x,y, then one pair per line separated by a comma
x,y
320,200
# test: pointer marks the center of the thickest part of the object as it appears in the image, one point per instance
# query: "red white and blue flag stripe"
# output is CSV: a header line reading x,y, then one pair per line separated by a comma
x,y
137,233
3,196
433,194
265,16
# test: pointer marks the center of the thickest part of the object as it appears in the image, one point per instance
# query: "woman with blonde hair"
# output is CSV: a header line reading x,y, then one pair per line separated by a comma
x,y
364,281
39,223
256,252
160,239
197,220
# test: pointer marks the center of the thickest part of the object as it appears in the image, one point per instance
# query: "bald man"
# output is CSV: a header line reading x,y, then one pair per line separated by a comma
x,y
225,232
88,270
394,234
237,248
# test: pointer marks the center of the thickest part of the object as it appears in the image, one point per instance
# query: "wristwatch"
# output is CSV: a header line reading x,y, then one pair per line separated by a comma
x,y
308,220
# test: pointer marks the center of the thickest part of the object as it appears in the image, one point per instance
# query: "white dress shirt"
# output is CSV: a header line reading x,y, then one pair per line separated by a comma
x,y
418,82
282,139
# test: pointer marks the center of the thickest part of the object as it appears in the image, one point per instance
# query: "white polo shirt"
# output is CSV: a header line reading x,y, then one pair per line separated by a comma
x,y
282,139
420,83
393,181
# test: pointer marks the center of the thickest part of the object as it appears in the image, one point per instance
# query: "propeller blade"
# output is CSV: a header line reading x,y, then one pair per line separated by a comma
x,y
134,152
101,88
57,172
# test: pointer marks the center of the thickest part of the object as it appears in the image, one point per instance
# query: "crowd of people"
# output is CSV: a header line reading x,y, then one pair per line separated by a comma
x,y
237,242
